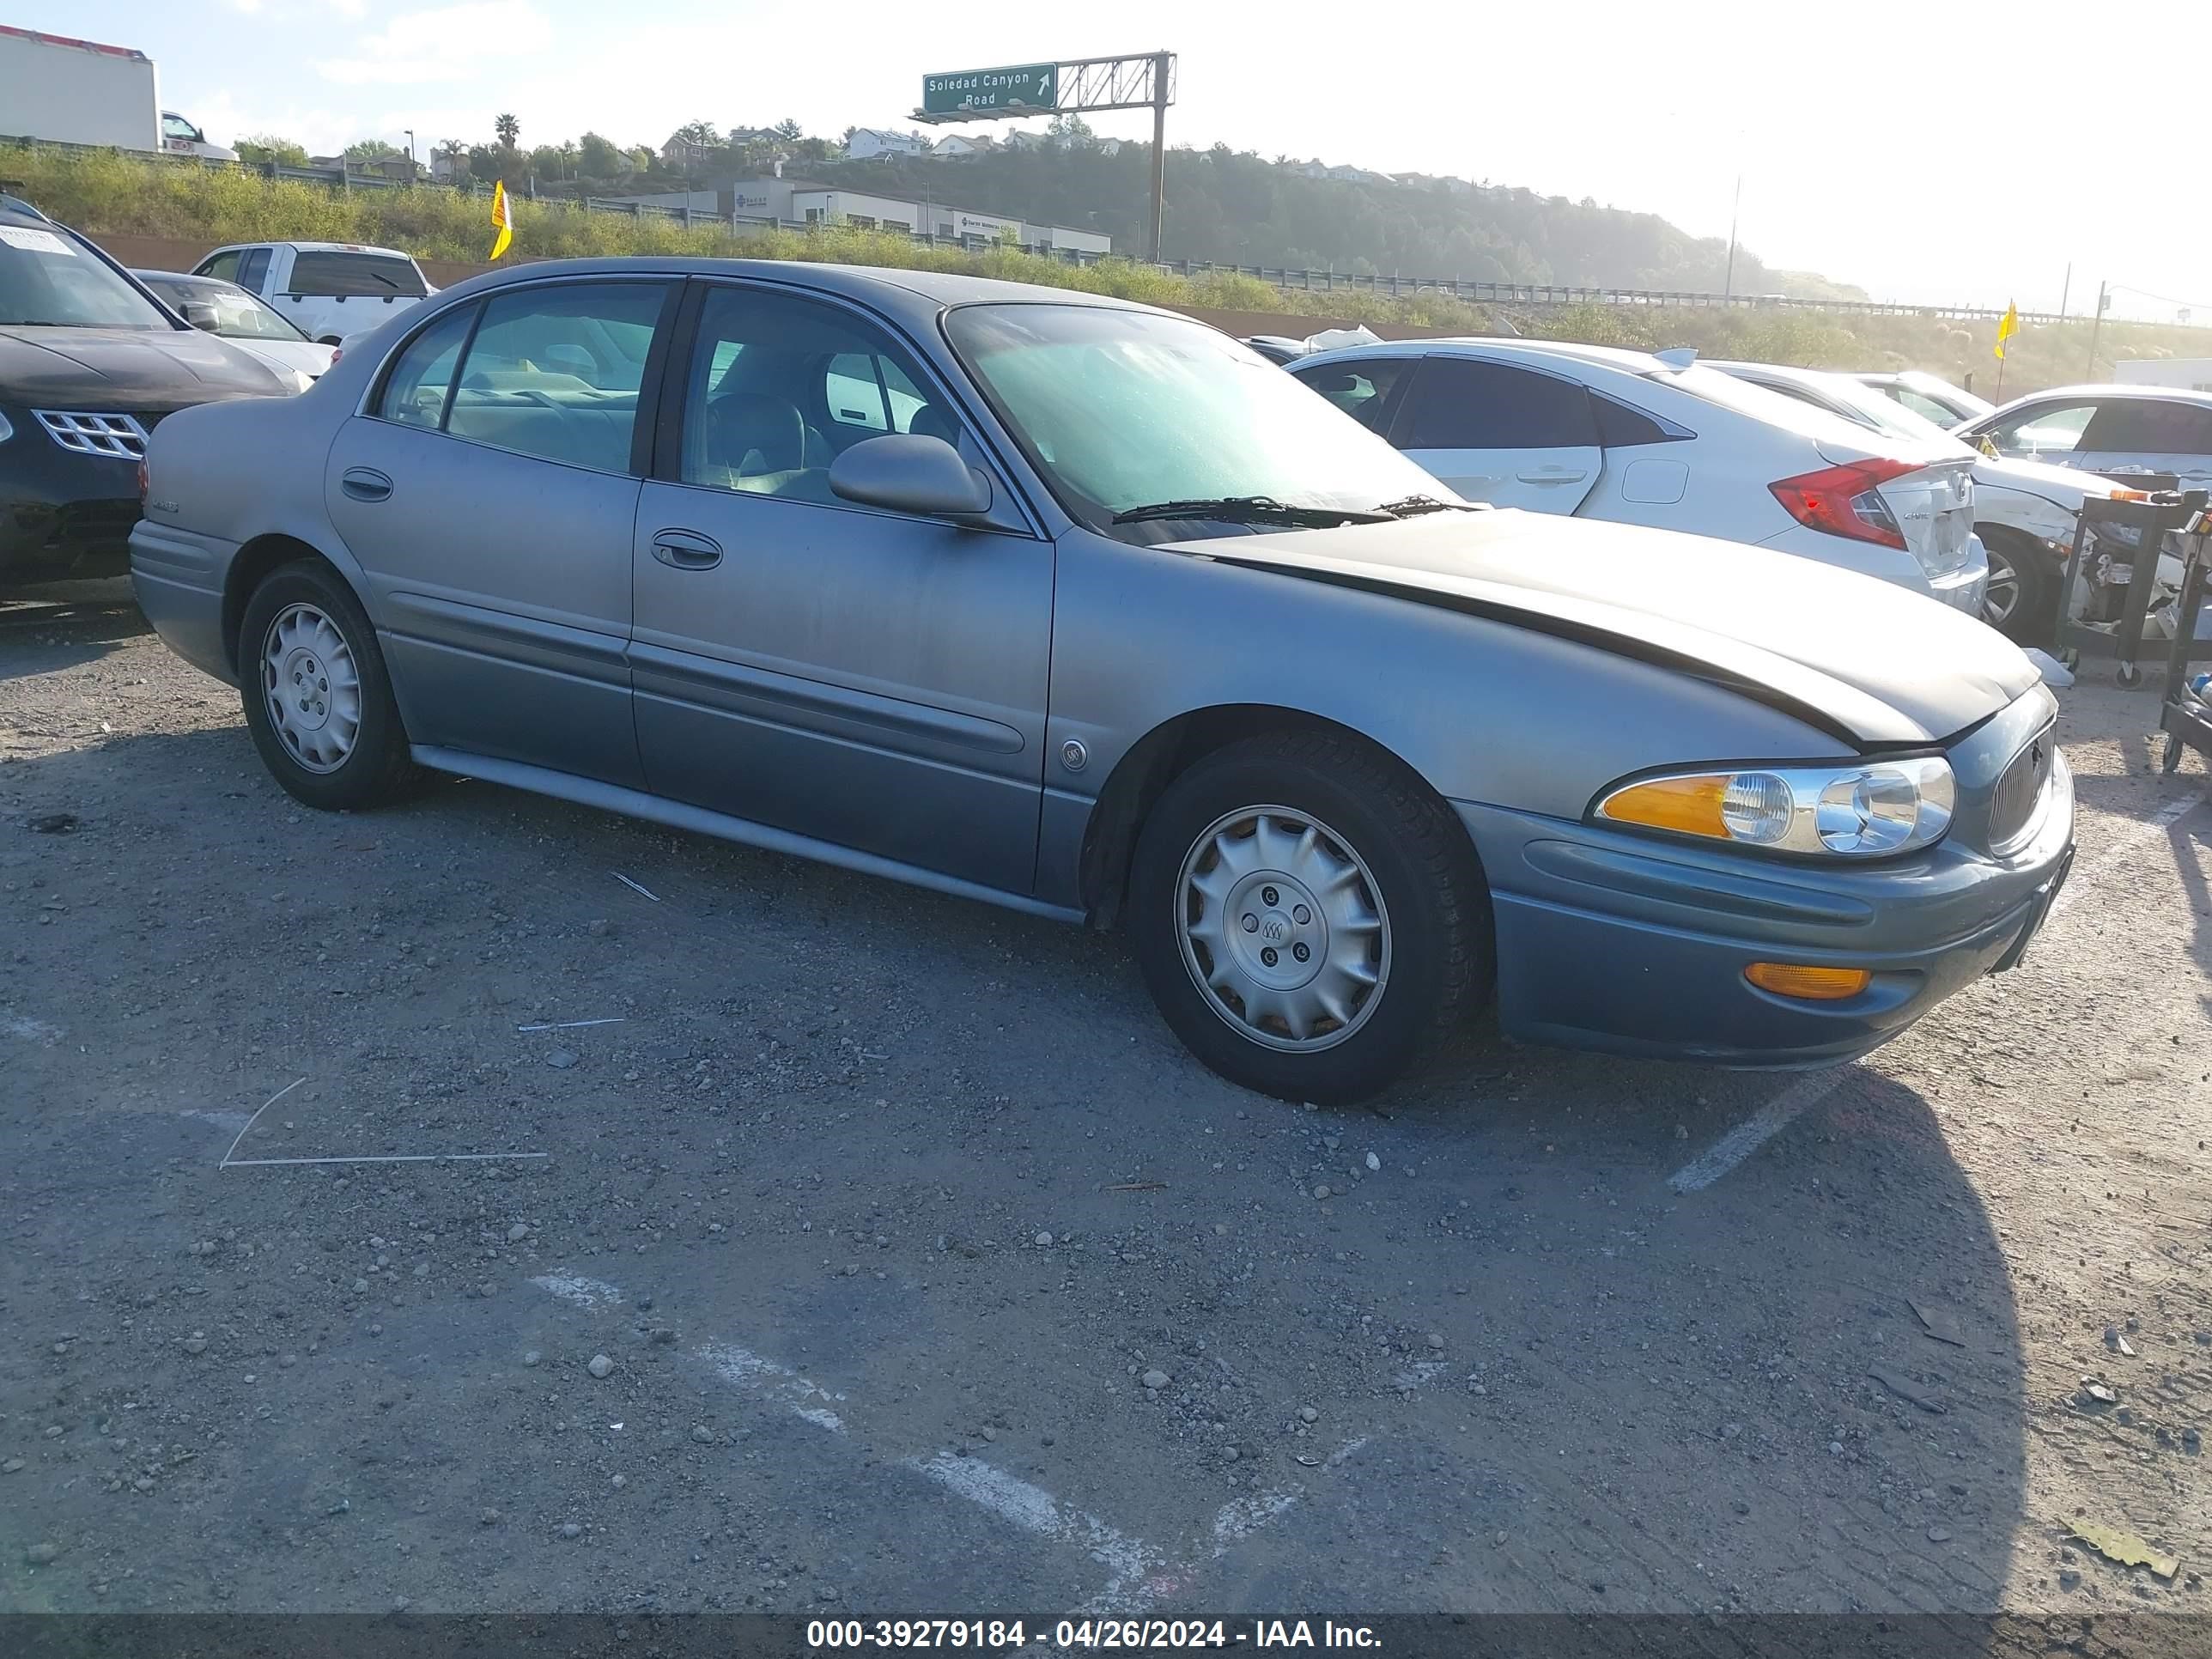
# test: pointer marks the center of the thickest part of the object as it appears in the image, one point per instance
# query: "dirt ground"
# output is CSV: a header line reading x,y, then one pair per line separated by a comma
x,y
927,1273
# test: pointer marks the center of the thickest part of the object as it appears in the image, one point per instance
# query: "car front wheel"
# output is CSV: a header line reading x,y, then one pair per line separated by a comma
x,y
1311,922
317,697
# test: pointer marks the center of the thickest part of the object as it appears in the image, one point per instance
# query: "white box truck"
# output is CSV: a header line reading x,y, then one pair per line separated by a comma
x,y
67,91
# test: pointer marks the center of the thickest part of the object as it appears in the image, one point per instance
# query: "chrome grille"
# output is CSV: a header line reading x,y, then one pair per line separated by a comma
x,y
2020,792
118,437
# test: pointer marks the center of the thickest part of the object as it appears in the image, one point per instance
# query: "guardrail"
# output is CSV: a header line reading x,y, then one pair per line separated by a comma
x,y
349,179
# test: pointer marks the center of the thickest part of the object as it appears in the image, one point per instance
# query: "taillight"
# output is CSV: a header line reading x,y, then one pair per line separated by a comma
x,y
337,352
1846,500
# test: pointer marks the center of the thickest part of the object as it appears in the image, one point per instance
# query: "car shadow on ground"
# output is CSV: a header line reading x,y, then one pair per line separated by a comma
x,y
830,1123
43,629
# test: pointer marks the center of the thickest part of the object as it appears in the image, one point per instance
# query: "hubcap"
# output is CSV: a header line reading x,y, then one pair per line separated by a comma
x,y
1283,928
312,687
2002,593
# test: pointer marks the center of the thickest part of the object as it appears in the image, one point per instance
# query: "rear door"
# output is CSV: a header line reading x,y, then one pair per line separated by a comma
x,y
2154,434
872,679
1499,433
489,495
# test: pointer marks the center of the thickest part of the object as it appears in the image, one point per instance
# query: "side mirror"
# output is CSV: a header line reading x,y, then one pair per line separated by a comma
x,y
910,472
200,313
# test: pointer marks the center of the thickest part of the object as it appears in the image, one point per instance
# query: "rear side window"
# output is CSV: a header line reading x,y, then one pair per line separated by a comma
x,y
421,383
556,372
2150,426
1458,404
252,267
332,272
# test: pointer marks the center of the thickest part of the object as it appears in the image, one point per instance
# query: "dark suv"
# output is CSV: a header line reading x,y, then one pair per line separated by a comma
x,y
90,362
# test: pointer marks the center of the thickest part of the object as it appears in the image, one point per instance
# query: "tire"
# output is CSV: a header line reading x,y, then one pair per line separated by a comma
x,y
2023,575
340,745
1383,850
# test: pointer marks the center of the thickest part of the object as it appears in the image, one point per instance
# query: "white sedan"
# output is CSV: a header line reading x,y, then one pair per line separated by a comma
x,y
1660,439
2025,511
229,313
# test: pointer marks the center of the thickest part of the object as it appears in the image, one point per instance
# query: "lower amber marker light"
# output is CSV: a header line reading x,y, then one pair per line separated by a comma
x,y
1809,984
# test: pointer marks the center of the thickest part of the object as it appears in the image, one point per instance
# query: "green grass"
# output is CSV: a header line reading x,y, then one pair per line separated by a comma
x,y
103,192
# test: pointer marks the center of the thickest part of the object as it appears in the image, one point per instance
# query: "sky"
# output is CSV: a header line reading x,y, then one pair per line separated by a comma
x,y
1933,152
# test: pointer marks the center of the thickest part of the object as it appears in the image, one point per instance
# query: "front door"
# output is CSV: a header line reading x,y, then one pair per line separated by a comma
x,y
490,499
866,678
1501,434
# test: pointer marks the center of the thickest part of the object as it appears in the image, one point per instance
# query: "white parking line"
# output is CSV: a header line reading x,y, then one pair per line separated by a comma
x,y
1810,1089
1140,1575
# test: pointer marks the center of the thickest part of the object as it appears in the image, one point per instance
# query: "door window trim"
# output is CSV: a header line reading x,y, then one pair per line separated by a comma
x,y
666,462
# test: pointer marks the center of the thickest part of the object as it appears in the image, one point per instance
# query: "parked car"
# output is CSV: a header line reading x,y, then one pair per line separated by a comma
x,y
2024,511
228,311
89,364
2117,431
1277,348
1081,608
1929,395
329,290
1665,442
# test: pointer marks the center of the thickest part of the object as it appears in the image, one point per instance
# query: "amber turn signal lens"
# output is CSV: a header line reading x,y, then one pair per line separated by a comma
x,y
1809,984
1689,806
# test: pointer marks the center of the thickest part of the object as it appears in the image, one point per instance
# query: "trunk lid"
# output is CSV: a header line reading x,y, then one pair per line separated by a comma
x,y
1867,659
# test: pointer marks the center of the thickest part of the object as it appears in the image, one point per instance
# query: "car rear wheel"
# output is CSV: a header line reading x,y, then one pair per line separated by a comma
x,y
1311,922
2020,591
318,699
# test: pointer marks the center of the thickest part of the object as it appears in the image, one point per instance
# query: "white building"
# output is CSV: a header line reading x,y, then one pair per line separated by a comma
x,y
959,147
1060,236
867,142
850,207
2194,373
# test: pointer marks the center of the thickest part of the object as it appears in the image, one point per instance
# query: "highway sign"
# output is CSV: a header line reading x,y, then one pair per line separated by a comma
x,y
1022,85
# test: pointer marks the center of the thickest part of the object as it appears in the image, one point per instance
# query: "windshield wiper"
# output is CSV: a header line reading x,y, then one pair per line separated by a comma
x,y
1251,509
1411,505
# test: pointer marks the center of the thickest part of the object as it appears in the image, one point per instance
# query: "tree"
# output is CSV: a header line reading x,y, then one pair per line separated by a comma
x,y
454,154
509,131
369,150
790,130
266,146
597,157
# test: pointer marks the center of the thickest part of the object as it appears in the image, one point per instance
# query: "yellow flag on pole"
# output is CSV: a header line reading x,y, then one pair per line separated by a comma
x,y
2006,329
503,219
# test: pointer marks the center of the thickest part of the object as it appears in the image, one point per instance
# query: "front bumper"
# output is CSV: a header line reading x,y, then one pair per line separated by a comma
x,y
1619,942
63,516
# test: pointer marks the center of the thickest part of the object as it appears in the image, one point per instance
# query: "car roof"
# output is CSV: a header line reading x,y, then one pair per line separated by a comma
x,y
1613,357
2178,394
14,210
941,288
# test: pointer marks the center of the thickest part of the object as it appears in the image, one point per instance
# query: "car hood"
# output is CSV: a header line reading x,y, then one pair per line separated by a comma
x,y
1866,660
305,356
127,369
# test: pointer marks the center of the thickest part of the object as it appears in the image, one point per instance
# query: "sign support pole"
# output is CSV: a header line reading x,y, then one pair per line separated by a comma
x,y
1159,146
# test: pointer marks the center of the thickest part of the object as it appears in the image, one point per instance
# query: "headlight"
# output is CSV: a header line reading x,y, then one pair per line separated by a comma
x,y
6,431
1853,811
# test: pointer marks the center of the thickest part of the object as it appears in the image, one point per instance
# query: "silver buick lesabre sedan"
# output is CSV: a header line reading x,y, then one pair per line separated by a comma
x,y
1083,608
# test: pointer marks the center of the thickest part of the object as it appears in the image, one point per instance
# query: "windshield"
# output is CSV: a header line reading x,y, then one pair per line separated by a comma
x,y
1123,409
48,280
238,314
1883,413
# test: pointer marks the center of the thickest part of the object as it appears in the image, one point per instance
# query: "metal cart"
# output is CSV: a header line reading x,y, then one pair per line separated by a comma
x,y
2185,718
2115,574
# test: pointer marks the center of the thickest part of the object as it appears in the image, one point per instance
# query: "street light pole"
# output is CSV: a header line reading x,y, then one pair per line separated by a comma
x,y
1727,285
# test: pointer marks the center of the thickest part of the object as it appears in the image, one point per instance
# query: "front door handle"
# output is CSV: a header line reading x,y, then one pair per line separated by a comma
x,y
365,484
686,550
1553,475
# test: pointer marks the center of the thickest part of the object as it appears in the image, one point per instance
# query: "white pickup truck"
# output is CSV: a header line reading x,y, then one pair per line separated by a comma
x,y
328,290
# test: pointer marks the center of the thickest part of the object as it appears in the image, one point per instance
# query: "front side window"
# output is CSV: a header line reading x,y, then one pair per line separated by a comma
x,y
2042,430
222,266
1361,388
1124,409
1458,404
779,386
556,371
252,267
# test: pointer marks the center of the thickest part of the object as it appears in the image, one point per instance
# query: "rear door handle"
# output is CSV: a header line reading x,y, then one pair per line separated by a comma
x,y
686,550
365,484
